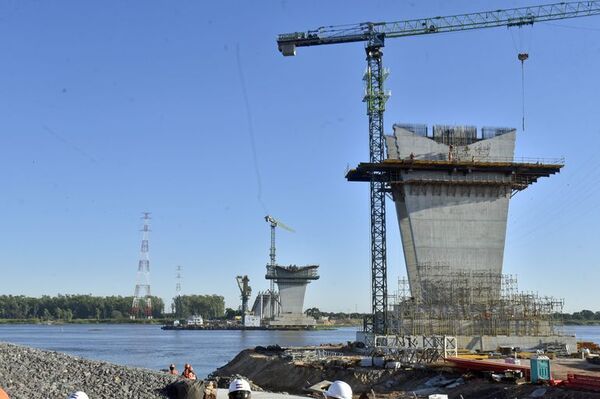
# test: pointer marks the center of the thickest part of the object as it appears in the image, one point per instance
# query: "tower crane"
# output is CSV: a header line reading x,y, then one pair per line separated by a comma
x,y
373,34
274,224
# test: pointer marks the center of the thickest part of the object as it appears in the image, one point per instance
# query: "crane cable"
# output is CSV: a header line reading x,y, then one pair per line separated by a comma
x,y
522,57
522,42
259,196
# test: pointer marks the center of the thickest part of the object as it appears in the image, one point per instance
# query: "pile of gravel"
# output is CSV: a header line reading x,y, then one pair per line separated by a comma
x,y
27,373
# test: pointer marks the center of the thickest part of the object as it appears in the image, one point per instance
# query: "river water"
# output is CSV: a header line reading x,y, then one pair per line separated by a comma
x,y
150,347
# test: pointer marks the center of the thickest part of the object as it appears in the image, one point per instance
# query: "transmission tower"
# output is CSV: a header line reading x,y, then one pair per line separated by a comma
x,y
142,296
177,302
178,285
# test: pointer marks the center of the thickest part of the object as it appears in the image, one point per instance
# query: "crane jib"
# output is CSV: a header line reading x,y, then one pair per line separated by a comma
x,y
366,31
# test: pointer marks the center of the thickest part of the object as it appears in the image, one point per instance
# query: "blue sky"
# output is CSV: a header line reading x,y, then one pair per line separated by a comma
x,y
113,108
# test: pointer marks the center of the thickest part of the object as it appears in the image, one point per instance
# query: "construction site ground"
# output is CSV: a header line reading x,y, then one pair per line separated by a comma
x,y
276,372
563,366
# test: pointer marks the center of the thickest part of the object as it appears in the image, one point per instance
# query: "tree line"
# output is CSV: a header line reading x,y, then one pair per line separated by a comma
x,y
582,315
207,306
69,307
316,313
72,307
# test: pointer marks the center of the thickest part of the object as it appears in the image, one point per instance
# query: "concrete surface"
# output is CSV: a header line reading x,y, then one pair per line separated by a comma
x,y
444,222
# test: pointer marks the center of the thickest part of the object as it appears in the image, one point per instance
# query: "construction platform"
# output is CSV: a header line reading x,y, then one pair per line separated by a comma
x,y
515,175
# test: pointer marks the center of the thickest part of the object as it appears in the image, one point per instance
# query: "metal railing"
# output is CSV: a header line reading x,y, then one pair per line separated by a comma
x,y
461,158
313,354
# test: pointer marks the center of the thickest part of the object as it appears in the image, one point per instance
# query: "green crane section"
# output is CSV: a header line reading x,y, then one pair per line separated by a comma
x,y
374,35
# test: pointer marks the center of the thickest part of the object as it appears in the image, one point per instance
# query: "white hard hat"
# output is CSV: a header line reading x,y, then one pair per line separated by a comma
x,y
339,390
239,385
78,395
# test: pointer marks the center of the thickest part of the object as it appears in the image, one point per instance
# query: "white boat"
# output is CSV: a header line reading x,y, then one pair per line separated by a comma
x,y
195,320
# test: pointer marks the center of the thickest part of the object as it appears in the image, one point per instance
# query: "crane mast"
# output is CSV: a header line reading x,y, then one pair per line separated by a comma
x,y
374,35
375,98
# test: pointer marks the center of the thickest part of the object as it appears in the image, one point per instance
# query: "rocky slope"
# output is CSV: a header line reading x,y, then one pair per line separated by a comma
x,y
27,373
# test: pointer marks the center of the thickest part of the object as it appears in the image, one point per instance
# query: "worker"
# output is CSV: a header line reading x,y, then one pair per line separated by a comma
x,y
339,390
239,389
3,394
78,395
173,370
210,392
191,373
188,372
185,369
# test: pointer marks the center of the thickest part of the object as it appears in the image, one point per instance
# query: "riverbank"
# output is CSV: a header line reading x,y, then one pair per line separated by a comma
x,y
85,321
147,346
27,373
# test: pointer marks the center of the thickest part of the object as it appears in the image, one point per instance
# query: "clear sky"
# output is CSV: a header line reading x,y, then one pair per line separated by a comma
x,y
187,110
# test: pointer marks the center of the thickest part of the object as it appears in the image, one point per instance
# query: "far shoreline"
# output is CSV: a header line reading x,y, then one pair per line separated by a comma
x,y
168,321
157,322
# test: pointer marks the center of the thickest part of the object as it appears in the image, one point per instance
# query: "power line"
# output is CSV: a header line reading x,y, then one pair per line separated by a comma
x,y
250,129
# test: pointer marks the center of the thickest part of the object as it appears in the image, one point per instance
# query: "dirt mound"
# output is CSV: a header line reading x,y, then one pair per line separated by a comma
x,y
277,372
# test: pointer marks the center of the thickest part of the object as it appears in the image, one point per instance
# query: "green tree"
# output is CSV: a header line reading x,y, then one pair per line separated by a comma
x,y
115,314
313,312
230,314
207,306
587,314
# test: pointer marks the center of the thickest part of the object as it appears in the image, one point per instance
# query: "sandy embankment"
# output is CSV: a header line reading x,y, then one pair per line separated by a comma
x,y
27,373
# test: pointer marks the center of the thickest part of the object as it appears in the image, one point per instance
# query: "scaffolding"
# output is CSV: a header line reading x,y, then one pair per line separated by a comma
x,y
470,303
409,349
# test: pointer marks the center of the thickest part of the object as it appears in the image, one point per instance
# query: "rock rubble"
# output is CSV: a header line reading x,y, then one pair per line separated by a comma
x,y
27,373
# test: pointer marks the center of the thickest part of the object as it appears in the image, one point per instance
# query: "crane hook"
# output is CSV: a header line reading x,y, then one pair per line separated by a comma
x,y
522,57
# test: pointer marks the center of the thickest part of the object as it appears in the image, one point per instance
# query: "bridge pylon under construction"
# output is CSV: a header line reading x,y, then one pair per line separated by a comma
x,y
451,187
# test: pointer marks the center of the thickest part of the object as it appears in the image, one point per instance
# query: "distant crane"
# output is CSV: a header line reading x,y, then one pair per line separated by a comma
x,y
271,267
245,292
374,35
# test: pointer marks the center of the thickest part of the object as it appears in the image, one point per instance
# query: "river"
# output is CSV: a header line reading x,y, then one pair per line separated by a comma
x,y
150,347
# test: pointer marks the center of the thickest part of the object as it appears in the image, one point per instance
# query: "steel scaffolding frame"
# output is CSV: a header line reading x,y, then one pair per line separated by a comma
x,y
470,302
